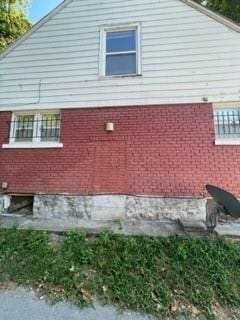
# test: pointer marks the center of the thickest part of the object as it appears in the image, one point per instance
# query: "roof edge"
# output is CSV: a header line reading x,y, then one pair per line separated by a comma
x,y
214,15
35,27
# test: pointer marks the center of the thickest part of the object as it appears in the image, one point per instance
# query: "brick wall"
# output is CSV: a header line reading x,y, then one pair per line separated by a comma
x,y
159,150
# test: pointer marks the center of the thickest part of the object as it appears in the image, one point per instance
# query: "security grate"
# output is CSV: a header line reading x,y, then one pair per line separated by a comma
x,y
27,128
227,123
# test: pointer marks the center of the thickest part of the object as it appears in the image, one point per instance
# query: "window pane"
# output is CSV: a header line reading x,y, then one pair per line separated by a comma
x,y
118,41
121,64
50,134
50,119
24,127
50,130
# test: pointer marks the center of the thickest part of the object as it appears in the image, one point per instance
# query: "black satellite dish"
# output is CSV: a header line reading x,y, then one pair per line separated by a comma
x,y
225,202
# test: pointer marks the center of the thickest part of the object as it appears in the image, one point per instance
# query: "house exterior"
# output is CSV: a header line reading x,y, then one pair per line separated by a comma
x,y
121,109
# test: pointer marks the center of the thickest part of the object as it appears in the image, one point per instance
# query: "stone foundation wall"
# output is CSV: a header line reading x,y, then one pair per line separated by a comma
x,y
118,207
62,207
155,208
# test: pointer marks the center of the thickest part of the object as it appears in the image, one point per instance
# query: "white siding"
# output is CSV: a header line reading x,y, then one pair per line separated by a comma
x,y
186,56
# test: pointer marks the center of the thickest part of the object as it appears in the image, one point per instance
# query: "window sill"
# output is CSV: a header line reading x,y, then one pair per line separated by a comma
x,y
120,76
30,145
227,142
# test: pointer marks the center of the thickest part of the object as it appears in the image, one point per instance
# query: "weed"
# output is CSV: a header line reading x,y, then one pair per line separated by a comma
x,y
141,273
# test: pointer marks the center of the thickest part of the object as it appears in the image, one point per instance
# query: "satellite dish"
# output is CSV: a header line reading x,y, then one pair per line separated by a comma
x,y
227,202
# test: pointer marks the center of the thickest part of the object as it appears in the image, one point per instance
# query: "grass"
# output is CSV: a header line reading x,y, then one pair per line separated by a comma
x,y
141,273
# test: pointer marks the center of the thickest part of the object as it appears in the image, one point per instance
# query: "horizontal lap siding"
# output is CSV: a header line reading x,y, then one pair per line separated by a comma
x,y
156,150
185,56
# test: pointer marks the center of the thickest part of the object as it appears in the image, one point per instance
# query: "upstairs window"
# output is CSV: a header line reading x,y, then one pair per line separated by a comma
x,y
227,125
120,51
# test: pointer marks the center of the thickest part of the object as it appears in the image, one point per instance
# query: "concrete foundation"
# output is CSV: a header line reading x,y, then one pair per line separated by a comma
x,y
123,214
1,203
62,207
4,202
155,208
118,208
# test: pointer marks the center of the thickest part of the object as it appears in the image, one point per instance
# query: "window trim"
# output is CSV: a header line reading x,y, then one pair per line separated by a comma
x,y
103,53
36,140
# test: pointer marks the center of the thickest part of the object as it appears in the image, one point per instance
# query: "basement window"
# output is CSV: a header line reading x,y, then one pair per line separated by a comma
x,y
35,129
227,126
21,204
120,46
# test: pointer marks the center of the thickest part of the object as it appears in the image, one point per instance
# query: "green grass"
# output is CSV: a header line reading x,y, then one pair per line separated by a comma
x,y
141,273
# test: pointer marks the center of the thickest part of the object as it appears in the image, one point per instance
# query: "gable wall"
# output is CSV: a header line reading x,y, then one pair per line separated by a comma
x,y
185,56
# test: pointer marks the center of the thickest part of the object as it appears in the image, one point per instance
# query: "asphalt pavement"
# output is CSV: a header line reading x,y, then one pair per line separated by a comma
x,y
20,304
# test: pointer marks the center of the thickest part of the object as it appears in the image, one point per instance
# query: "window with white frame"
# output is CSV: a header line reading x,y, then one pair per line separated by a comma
x,y
35,127
227,123
120,51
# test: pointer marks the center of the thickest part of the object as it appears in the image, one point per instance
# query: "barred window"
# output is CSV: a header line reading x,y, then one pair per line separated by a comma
x,y
35,127
227,123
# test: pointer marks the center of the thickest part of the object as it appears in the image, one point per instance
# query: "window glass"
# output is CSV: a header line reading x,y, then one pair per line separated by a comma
x,y
119,41
121,55
121,64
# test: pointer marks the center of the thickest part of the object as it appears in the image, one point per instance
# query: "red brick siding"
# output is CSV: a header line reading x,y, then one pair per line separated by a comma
x,y
160,150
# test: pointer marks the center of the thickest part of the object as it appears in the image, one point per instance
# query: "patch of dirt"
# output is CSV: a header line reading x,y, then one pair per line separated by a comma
x,y
7,286
184,311
226,313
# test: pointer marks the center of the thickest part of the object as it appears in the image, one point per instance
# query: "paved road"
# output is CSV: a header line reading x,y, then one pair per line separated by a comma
x,y
20,304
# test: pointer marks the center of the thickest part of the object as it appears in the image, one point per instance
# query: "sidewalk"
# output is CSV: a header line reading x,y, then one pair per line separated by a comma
x,y
135,227
162,227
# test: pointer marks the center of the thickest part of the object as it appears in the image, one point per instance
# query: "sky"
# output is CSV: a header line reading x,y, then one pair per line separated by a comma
x,y
40,8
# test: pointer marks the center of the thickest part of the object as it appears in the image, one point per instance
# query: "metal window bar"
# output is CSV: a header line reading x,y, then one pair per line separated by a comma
x,y
28,130
50,129
227,124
